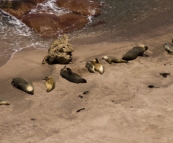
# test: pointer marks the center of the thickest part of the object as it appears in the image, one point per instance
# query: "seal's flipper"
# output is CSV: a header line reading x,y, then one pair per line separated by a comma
x,y
97,60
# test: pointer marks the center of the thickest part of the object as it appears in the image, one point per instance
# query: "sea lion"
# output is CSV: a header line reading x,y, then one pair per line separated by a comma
x,y
3,102
23,85
50,83
90,67
98,66
111,59
95,65
135,52
169,47
69,75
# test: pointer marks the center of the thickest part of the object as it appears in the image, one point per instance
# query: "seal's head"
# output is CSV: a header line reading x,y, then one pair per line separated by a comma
x,y
30,89
144,46
105,57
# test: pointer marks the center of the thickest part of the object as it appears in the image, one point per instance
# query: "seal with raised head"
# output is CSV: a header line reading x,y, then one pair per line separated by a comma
x,y
69,75
169,47
135,52
23,85
50,83
95,65
111,59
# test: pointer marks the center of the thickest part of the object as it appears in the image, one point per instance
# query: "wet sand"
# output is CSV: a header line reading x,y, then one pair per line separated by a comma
x,y
119,108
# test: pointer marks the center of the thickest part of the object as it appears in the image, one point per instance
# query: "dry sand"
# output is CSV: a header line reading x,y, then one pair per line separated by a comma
x,y
119,108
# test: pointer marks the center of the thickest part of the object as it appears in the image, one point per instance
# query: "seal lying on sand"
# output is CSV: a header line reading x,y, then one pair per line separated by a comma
x,y
23,85
95,65
71,76
50,83
135,52
90,67
169,47
3,102
111,59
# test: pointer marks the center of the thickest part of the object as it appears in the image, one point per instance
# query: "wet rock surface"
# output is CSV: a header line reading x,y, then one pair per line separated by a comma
x,y
49,23
50,26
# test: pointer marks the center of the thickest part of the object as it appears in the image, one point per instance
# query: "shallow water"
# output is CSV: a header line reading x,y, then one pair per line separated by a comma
x,y
116,15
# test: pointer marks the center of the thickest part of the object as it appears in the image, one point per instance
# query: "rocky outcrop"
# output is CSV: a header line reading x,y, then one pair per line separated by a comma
x,y
60,52
50,25
18,8
84,7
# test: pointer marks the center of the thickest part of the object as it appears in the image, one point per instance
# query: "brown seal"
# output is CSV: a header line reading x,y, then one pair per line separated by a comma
x,y
23,85
135,52
69,75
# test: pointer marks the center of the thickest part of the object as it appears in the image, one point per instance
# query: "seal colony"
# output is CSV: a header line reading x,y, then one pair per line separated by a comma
x,y
93,66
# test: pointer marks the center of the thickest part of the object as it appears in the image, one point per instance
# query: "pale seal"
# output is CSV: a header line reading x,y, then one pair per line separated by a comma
x,y
135,52
4,102
50,83
95,65
169,47
23,85
111,59
69,75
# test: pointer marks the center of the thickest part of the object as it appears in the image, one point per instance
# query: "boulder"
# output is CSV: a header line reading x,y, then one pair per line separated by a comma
x,y
84,7
18,8
50,25
60,52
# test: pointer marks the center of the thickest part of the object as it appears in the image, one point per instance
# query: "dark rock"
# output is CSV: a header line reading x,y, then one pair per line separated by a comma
x,y
164,74
85,92
80,96
152,86
80,109
50,25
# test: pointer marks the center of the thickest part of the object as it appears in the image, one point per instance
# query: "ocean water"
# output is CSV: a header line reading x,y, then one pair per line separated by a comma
x,y
116,14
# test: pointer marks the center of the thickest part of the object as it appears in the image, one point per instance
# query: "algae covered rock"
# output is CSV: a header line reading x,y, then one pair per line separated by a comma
x,y
60,52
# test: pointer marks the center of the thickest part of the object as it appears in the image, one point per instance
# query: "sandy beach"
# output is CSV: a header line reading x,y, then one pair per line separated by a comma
x,y
119,107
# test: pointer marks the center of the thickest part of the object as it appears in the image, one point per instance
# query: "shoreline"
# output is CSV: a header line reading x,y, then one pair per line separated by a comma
x,y
119,102
119,107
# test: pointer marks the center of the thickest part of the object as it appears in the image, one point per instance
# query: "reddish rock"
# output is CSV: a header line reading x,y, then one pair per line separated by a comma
x,y
50,25
18,8
85,7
